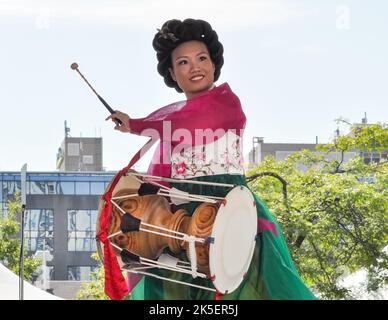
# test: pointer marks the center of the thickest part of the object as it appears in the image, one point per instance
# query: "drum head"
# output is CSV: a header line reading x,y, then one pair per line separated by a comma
x,y
234,234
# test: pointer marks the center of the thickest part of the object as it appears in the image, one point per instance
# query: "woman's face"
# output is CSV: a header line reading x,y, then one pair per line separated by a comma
x,y
192,68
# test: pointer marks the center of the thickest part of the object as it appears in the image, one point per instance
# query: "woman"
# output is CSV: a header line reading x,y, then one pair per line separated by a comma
x,y
200,140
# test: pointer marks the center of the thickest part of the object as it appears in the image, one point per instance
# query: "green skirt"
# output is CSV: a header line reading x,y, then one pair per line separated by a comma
x,y
271,275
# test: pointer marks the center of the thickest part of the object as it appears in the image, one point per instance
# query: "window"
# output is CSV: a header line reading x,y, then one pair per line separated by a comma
x,y
73,149
36,187
42,187
39,229
10,188
51,187
80,273
97,188
66,187
81,229
87,159
82,187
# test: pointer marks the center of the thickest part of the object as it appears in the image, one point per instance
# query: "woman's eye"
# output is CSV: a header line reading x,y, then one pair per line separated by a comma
x,y
202,58
182,62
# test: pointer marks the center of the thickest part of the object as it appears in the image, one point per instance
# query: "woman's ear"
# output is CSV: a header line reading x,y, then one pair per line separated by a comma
x,y
172,74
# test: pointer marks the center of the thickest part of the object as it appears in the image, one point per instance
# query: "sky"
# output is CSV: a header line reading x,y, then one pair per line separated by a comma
x,y
295,65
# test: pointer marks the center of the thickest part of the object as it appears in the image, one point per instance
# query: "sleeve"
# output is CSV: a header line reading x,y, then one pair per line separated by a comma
x,y
213,111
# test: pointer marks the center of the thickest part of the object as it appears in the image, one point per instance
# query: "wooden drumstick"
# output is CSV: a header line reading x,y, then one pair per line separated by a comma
x,y
74,66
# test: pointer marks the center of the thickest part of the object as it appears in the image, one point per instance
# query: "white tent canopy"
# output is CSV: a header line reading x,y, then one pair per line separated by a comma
x,y
9,288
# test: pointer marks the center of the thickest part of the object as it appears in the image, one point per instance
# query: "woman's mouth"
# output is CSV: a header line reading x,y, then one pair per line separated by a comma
x,y
197,78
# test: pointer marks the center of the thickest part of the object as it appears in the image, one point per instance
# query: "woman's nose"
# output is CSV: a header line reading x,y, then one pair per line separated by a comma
x,y
194,67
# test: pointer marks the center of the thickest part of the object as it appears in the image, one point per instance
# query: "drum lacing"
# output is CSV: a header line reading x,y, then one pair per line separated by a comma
x,y
192,253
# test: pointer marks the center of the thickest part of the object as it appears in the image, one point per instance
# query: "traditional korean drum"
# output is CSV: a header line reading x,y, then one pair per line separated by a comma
x,y
218,239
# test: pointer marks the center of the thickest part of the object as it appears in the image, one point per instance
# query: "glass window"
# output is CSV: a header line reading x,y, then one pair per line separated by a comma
x,y
37,187
51,187
82,187
80,273
81,230
66,187
10,188
83,220
97,188
93,216
71,215
71,243
39,229
81,244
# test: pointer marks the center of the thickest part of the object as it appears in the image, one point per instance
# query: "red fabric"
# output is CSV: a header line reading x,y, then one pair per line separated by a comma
x,y
115,284
217,296
218,108
214,109
264,225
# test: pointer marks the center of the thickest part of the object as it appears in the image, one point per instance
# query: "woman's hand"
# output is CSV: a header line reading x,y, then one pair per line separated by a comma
x,y
123,117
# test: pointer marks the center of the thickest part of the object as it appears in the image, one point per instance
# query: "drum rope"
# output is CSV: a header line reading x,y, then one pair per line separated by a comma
x,y
184,195
153,263
183,235
227,185
172,280
126,196
177,195
161,265
193,255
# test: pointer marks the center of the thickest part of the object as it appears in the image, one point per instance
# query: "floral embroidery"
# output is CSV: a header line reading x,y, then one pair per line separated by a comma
x,y
222,156
180,168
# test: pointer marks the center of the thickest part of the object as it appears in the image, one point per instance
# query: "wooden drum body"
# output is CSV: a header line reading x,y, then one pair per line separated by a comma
x,y
218,238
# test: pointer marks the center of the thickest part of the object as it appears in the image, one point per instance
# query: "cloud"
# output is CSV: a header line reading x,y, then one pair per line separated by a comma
x,y
148,13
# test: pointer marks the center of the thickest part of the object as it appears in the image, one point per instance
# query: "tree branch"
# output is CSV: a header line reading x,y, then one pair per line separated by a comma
x,y
271,174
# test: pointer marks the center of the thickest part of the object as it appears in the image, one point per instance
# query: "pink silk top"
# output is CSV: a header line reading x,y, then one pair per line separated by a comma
x,y
218,108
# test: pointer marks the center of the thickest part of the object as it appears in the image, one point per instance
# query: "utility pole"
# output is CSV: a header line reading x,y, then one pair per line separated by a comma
x,y
23,178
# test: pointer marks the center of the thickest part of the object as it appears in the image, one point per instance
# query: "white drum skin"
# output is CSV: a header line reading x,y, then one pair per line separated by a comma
x,y
234,233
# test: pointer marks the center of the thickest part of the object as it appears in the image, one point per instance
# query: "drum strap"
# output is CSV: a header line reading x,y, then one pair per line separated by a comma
x,y
115,285
140,153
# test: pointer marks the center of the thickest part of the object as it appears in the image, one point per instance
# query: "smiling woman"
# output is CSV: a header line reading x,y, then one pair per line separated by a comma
x,y
201,145
192,69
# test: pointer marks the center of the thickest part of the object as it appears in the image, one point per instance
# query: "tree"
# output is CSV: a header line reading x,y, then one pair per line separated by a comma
x,y
10,242
333,214
94,290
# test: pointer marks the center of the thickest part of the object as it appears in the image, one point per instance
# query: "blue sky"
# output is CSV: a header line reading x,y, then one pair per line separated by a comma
x,y
296,66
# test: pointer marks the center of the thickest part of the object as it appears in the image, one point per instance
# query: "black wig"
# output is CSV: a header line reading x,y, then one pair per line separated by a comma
x,y
173,33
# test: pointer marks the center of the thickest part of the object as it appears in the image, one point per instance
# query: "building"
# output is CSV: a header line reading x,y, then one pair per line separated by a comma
x,y
280,151
61,212
79,154
60,217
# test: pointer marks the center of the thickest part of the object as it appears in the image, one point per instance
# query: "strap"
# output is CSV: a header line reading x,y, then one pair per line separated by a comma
x,y
115,286
141,152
